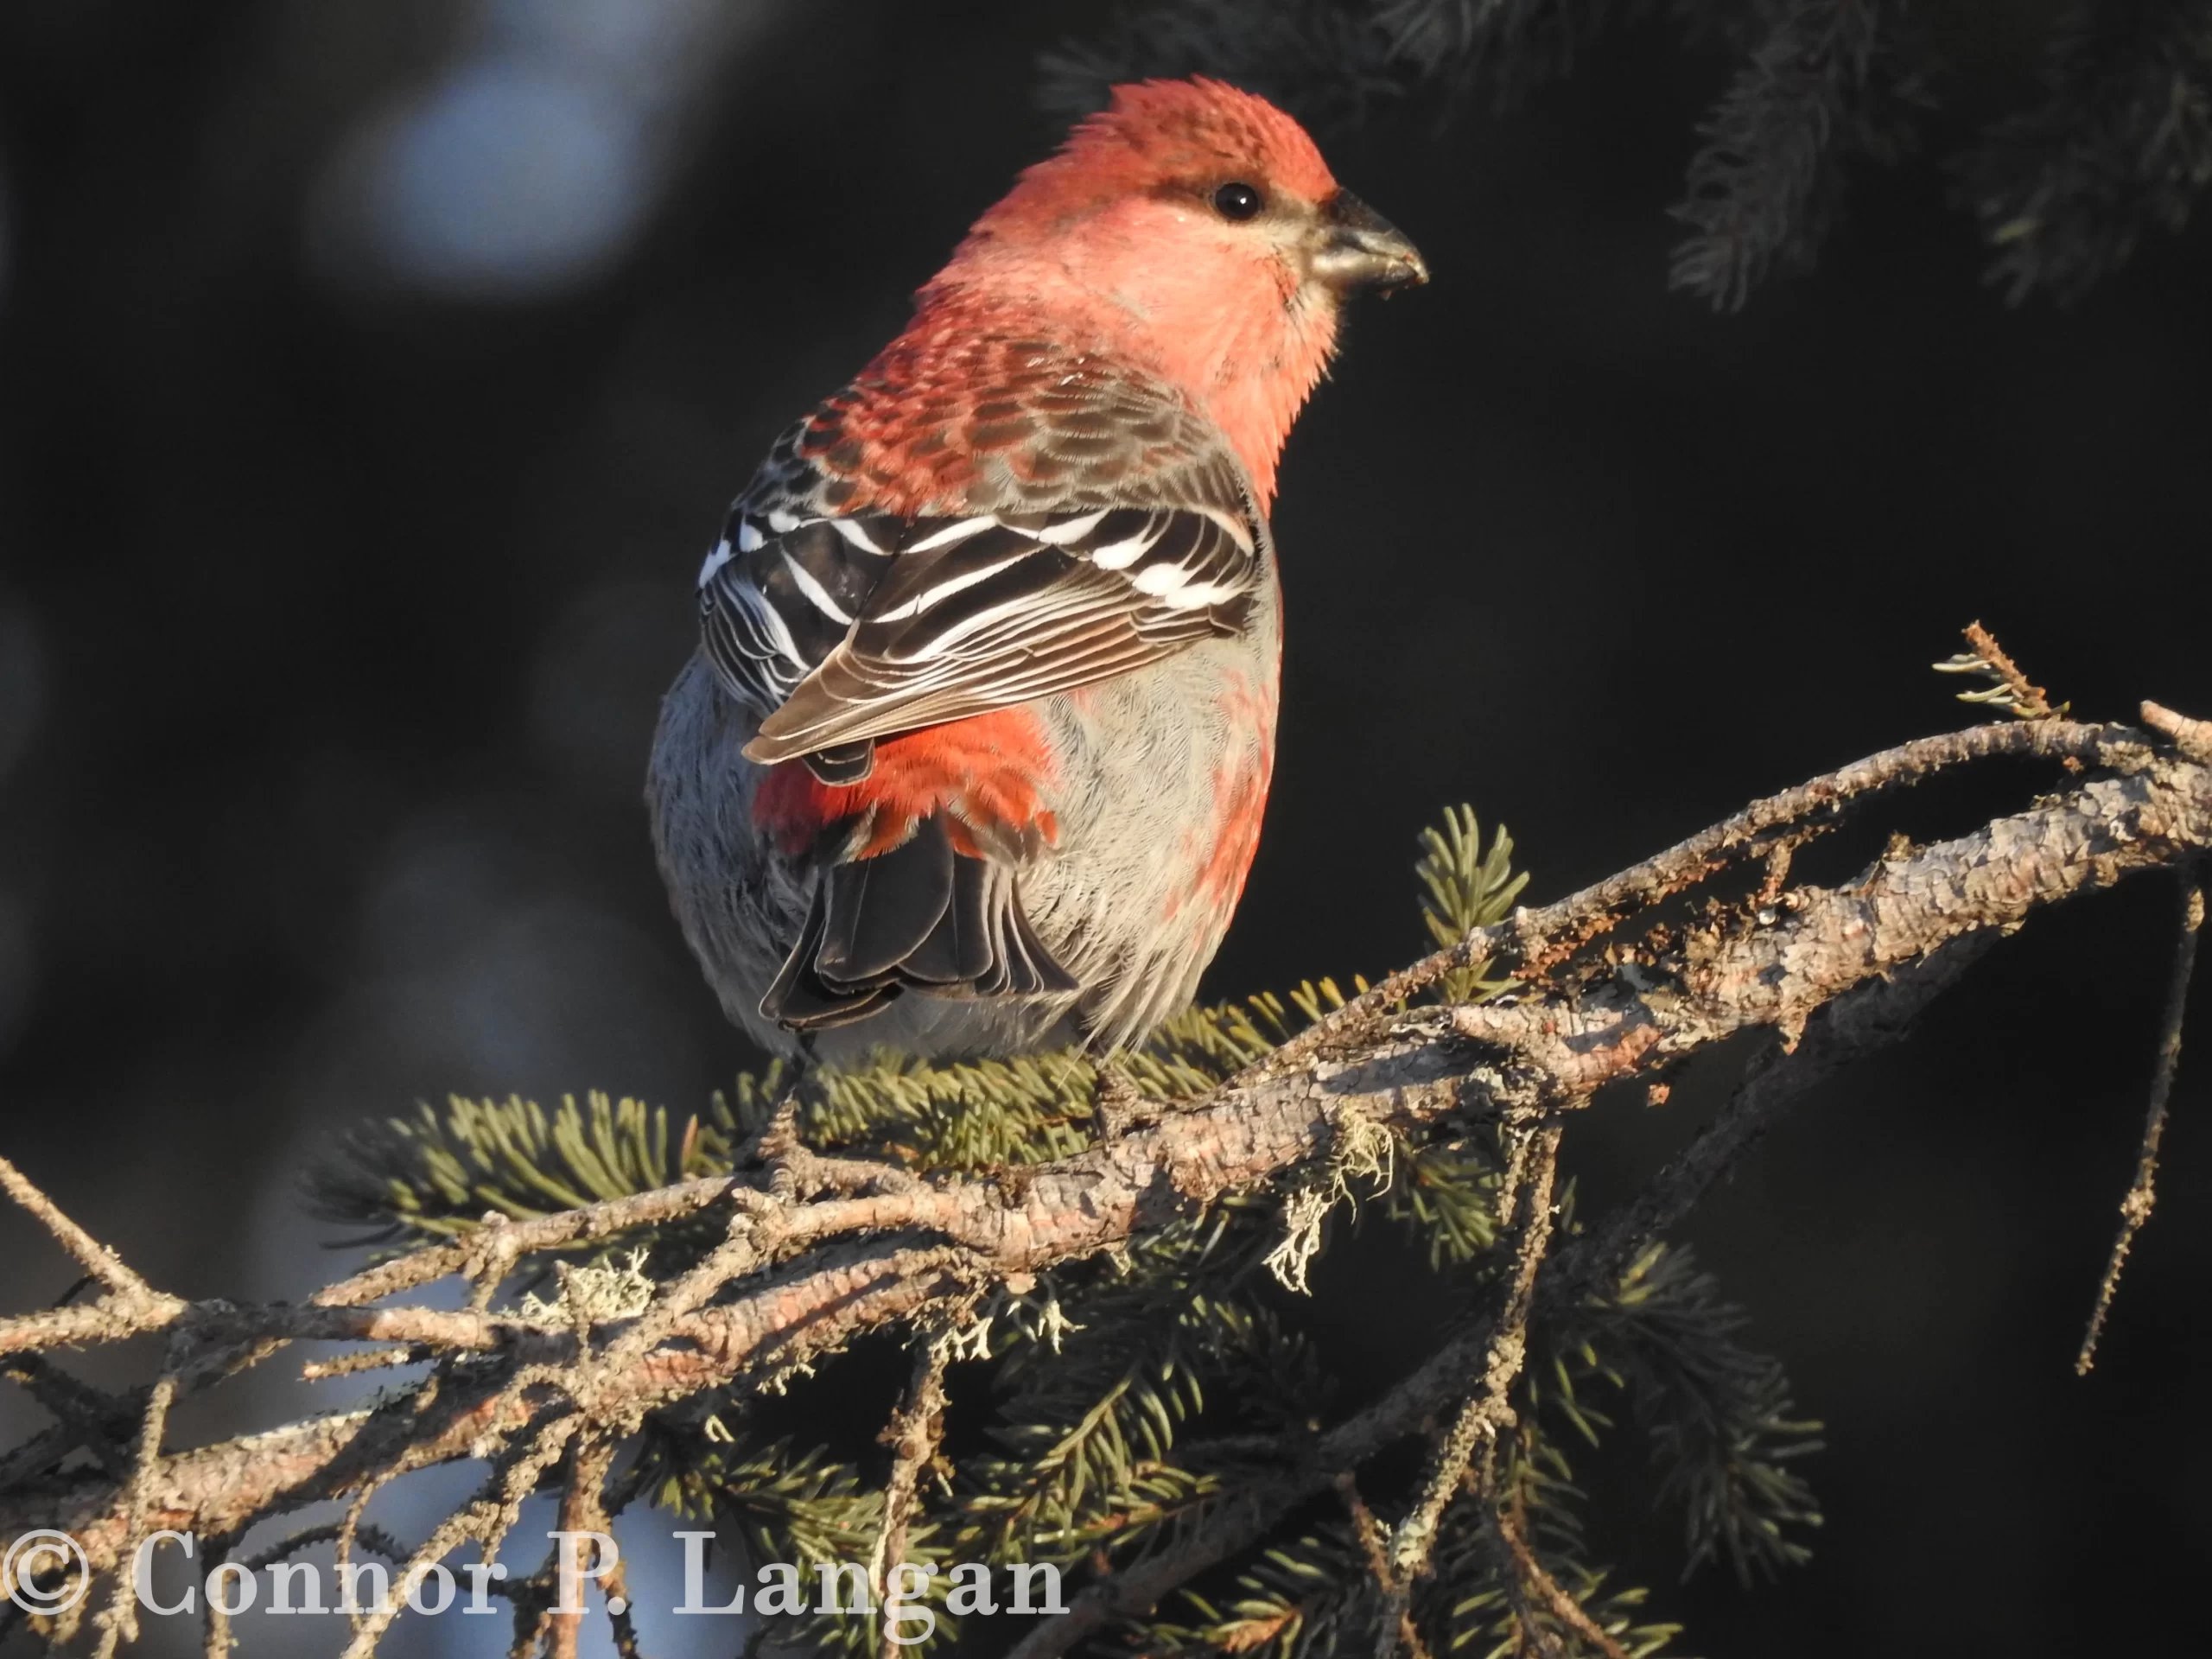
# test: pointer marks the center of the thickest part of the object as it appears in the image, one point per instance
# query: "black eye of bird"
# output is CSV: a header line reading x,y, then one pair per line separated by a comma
x,y
1237,201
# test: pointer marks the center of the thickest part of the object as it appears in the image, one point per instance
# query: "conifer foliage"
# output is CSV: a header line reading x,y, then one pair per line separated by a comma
x,y
1286,1335
2063,189
1099,1416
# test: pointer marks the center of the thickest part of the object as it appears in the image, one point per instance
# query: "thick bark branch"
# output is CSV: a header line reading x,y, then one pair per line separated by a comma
x,y
832,1250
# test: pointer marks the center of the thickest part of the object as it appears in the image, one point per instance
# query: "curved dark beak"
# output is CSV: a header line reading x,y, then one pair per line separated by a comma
x,y
1360,249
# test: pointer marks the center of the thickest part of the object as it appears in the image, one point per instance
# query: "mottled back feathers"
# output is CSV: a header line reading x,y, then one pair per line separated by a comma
x,y
841,625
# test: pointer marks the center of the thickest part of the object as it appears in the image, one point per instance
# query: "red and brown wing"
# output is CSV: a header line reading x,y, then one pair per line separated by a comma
x,y
1108,527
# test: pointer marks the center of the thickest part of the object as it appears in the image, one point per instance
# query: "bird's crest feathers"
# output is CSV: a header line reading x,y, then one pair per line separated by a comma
x,y
1157,133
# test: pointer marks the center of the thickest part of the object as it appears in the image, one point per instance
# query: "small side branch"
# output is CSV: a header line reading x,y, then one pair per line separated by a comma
x,y
118,1621
2192,737
2135,1208
2009,687
123,1285
1534,941
1487,1409
1511,1527
914,1434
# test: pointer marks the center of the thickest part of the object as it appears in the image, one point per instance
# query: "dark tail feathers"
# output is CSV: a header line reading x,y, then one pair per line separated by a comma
x,y
920,917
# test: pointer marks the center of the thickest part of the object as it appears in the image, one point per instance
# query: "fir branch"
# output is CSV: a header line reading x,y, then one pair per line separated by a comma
x,y
2063,192
1306,1596
1544,1596
844,1208
1717,1415
1447,1196
1508,48
1327,60
2121,144
1466,889
1536,942
438,1174
1510,1575
1826,82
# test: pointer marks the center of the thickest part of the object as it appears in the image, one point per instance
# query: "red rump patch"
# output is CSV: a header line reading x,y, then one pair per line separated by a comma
x,y
985,773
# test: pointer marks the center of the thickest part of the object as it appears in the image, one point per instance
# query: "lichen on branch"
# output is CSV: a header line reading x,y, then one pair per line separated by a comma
x,y
1104,1273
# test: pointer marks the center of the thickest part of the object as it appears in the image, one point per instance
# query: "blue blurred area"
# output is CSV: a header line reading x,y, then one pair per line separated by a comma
x,y
525,163
505,181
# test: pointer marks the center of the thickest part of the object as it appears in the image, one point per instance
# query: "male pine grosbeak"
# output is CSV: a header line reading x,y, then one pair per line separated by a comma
x,y
974,752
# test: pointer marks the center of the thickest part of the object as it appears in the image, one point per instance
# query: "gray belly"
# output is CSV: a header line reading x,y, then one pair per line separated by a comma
x,y
1119,899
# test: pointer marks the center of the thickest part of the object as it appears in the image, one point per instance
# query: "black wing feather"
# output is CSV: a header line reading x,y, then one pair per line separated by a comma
x,y
837,627
1007,615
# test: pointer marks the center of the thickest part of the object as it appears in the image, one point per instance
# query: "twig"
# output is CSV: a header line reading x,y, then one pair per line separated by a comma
x,y
1241,1521
352,1523
96,1417
2009,689
913,1434
1510,1525
1395,1627
1120,1107
24,1464
1530,1634
283,1549
621,1618
1246,1515
102,1263
374,1359
1534,941
512,1239
217,1641
2192,737
118,1620
486,1519
582,1509
1393,1620
1488,1409
2135,1208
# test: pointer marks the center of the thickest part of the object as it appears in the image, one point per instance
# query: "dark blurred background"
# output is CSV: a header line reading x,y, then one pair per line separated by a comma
x,y
373,374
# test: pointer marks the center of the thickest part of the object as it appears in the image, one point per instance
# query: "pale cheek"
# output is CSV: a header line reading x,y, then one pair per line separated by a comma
x,y
1311,315
1167,259
1209,298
